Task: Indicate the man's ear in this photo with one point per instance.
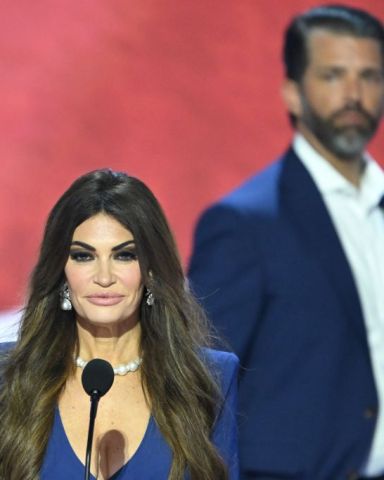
(290, 91)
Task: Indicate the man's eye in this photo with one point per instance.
(126, 256)
(80, 256)
(373, 76)
(331, 75)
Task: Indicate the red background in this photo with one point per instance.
(181, 93)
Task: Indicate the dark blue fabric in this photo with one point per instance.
(271, 272)
(152, 460)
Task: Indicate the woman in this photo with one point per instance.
(108, 284)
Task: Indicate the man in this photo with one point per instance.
(290, 266)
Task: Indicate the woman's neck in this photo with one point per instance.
(117, 345)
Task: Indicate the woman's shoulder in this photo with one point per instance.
(224, 362)
(224, 367)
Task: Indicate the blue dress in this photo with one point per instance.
(152, 460)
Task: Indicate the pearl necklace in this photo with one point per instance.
(121, 369)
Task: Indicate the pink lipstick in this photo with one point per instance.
(105, 299)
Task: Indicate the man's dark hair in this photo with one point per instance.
(337, 19)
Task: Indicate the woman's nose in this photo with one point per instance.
(104, 275)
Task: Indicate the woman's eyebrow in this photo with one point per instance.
(93, 249)
(122, 245)
(84, 245)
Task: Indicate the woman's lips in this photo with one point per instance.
(105, 300)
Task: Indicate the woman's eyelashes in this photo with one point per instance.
(126, 255)
(81, 255)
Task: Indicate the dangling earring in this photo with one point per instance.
(150, 299)
(65, 303)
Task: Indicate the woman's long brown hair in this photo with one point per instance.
(181, 388)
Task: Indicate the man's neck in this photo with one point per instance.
(351, 168)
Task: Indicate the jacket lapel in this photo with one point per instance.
(307, 211)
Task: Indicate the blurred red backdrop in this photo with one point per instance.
(183, 94)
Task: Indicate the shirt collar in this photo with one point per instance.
(329, 181)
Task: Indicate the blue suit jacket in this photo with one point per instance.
(272, 274)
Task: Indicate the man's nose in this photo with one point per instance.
(353, 90)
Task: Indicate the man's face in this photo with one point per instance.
(341, 95)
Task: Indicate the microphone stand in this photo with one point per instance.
(95, 397)
(97, 378)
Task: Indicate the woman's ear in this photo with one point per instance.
(290, 91)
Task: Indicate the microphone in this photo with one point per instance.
(97, 378)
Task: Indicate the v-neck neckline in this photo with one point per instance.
(128, 464)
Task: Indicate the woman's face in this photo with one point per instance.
(103, 273)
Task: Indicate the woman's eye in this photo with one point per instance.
(126, 256)
(81, 256)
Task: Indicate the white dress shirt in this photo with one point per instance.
(359, 223)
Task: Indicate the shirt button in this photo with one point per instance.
(369, 413)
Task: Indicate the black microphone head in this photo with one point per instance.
(98, 375)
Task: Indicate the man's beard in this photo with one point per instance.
(346, 142)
